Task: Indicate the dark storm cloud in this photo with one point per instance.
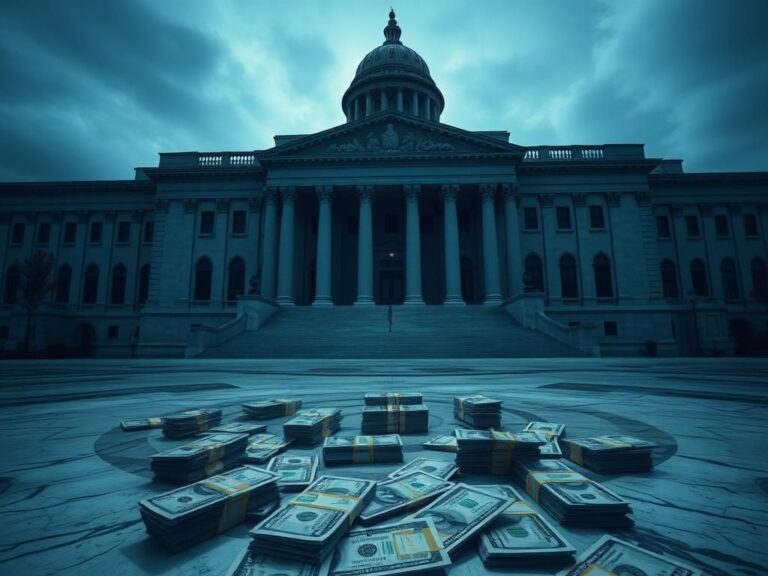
(306, 57)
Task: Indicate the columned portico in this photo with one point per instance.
(511, 219)
(323, 276)
(412, 246)
(270, 246)
(490, 248)
(452, 254)
(285, 272)
(365, 248)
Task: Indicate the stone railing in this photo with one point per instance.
(577, 152)
(207, 159)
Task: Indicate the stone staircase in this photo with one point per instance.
(417, 332)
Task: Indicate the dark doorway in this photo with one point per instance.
(391, 287)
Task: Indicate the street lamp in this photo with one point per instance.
(697, 347)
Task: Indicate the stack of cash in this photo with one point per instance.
(251, 563)
(188, 515)
(240, 428)
(262, 447)
(492, 452)
(402, 419)
(398, 495)
(362, 449)
(443, 443)
(392, 398)
(185, 424)
(478, 411)
(611, 454)
(571, 497)
(521, 536)
(296, 472)
(274, 408)
(553, 432)
(308, 527)
(141, 424)
(441, 468)
(206, 456)
(609, 555)
(311, 426)
(461, 513)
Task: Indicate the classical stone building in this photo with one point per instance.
(595, 245)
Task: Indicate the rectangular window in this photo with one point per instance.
(530, 218)
(96, 229)
(113, 332)
(426, 223)
(239, 221)
(692, 226)
(123, 232)
(70, 232)
(596, 217)
(750, 225)
(662, 227)
(206, 222)
(43, 232)
(721, 225)
(149, 231)
(390, 224)
(18, 233)
(610, 328)
(563, 214)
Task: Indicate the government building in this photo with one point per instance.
(595, 247)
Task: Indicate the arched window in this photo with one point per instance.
(759, 279)
(534, 274)
(117, 290)
(203, 277)
(91, 284)
(603, 281)
(730, 281)
(699, 278)
(568, 281)
(63, 282)
(669, 279)
(12, 281)
(236, 279)
(143, 292)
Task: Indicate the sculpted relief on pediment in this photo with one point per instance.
(390, 141)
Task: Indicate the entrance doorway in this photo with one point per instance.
(391, 287)
(467, 280)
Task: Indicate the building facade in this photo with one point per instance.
(591, 242)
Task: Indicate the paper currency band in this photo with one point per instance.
(410, 490)
(155, 421)
(535, 480)
(325, 427)
(461, 408)
(234, 511)
(575, 454)
(363, 445)
(214, 467)
(406, 553)
(609, 443)
(226, 484)
(347, 510)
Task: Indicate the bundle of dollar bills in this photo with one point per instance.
(274, 408)
(402, 419)
(461, 513)
(308, 527)
(311, 426)
(609, 555)
(610, 454)
(250, 563)
(296, 472)
(193, 513)
(404, 493)
(493, 452)
(478, 411)
(392, 398)
(409, 547)
(571, 497)
(546, 428)
(521, 536)
(262, 447)
(240, 428)
(206, 456)
(441, 468)
(362, 449)
(551, 449)
(443, 443)
(141, 424)
(191, 422)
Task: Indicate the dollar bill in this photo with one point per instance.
(440, 468)
(141, 424)
(400, 494)
(444, 443)
(262, 447)
(250, 563)
(551, 449)
(296, 472)
(547, 428)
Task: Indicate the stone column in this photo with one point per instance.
(400, 100)
(357, 109)
(490, 248)
(323, 260)
(365, 248)
(285, 273)
(412, 246)
(452, 254)
(512, 221)
(384, 103)
(368, 104)
(269, 257)
(415, 104)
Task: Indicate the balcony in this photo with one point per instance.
(578, 152)
(208, 160)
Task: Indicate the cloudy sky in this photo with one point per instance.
(90, 89)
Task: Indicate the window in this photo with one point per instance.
(63, 283)
(692, 226)
(669, 279)
(203, 277)
(603, 282)
(721, 225)
(596, 217)
(91, 284)
(96, 230)
(206, 222)
(390, 224)
(70, 232)
(149, 231)
(563, 215)
(18, 232)
(236, 279)
(750, 225)
(568, 281)
(12, 282)
(113, 332)
(730, 282)
(759, 279)
(699, 278)
(662, 227)
(239, 222)
(123, 232)
(610, 328)
(143, 292)
(533, 278)
(426, 223)
(530, 218)
(117, 289)
(44, 232)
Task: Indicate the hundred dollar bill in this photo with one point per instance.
(397, 495)
(250, 563)
(444, 443)
(461, 513)
(296, 472)
(141, 424)
(441, 468)
(546, 428)
(609, 556)
(551, 449)
(409, 547)
(262, 447)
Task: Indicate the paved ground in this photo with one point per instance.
(70, 479)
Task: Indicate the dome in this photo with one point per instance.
(392, 58)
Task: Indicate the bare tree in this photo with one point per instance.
(36, 283)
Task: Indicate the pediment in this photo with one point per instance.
(392, 135)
